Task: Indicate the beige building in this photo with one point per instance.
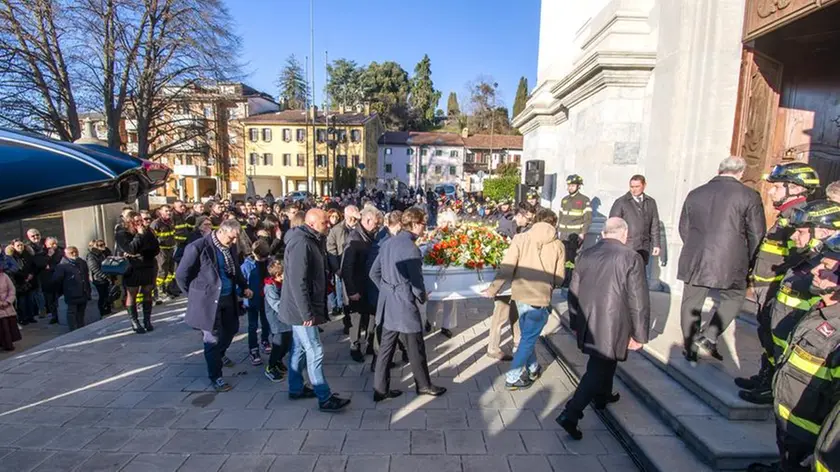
(294, 150)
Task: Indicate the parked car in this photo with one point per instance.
(297, 196)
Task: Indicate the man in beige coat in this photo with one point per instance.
(534, 265)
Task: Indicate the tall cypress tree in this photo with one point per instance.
(521, 96)
(424, 98)
(452, 108)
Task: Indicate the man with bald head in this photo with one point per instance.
(609, 310)
(304, 307)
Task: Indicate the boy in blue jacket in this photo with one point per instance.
(282, 333)
(255, 270)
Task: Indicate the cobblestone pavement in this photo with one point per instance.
(102, 398)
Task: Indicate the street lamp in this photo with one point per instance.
(332, 143)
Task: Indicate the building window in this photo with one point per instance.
(301, 160)
(470, 157)
(438, 169)
(452, 170)
(321, 135)
(408, 168)
(342, 160)
(132, 136)
(387, 168)
(355, 136)
(387, 151)
(252, 159)
(287, 159)
(253, 134)
(409, 151)
(266, 134)
(438, 152)
(453, 153)
(321, 160)
(287, 134)
(424, 169)
(355, 160)
(342, 135)
(301, 135)
(516, 158)
(424, 152)
(268, 159)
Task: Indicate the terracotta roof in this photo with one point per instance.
(498, 141)
(418, 138)
(299, 117)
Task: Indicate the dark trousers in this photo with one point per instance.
(377, 339)
(362, 329)
(416, 347)
(27, 307)
(227, 324)
(793, 451)
(596, 384)
(103, 290)
(76, 315)
(692, 306)
(764, 317)
(278, 351)
(51, 303)
(572, 244)
(256, 315)
(645, 255)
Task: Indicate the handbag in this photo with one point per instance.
(113, 265)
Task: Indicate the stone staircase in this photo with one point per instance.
(675, 415)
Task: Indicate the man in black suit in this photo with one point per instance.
(642, 216)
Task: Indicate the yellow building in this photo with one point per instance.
(285, 150)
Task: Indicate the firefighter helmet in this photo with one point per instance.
(816, 214)
(797, 173)
(574, 179)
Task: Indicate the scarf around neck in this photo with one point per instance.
(229, 267)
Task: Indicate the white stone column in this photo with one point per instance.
(196, 195)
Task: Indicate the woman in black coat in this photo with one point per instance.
(139, 245)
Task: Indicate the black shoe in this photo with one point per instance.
(433, 390)
(369, 350)
(764, 377)
(761, 395)
(55, 320)
(357, 355)
(373, 364)
(428, 327)
(405, 357)
(334, 403)
(690, 356)
(570, 425)
(708, 348)
(147, 323)
(446, 333)
(307, 392)
(227, 362)
(346, 330)
(523, 383)
(601, 403)
(747, 383)
(320, 329)
(25, 322)
(378, 397)
(135, 325)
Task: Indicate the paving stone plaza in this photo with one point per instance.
(105, 399)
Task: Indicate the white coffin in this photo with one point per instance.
(456, 283)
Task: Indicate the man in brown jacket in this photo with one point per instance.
(534, 265)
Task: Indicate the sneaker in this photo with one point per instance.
(226, 362)
(522, 383)
(266, 347)
(334, 403)
(307, 392)
(255, 357)
(275, 374)
(533, 376)
(221, 385)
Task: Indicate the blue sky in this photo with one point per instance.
(463, 38)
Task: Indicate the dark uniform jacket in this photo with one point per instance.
(806, 385)
(721, 226)
(642, 221)
(184, 224)
(305, 286)
(354, 270)
(792, 301)
(777, 252)
(575, 216)
(827, 453)
(398, 272)
(609, 300)
(165, 232)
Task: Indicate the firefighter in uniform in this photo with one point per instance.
(814, 223)
(533, 199)
(791, 185)
(827, 452)
(184, 221)
(164, 228)
(574, 220)
(806, 386)
(217, 215)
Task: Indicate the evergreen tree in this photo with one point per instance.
(452, 108)
(424, 98)
(294, 91)
(521, 96)
(386, 86)
(344, 86)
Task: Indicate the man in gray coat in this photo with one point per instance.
(398, 273)
(609, 306)
(721, 225)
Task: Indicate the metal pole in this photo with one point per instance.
(312, 54)
(306, 126)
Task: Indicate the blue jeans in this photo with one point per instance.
(256, 318)
(531, 322)
(306, 342)
(335, 300)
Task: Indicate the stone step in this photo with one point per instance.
(656, 412)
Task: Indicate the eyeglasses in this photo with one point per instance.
(147, 219)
